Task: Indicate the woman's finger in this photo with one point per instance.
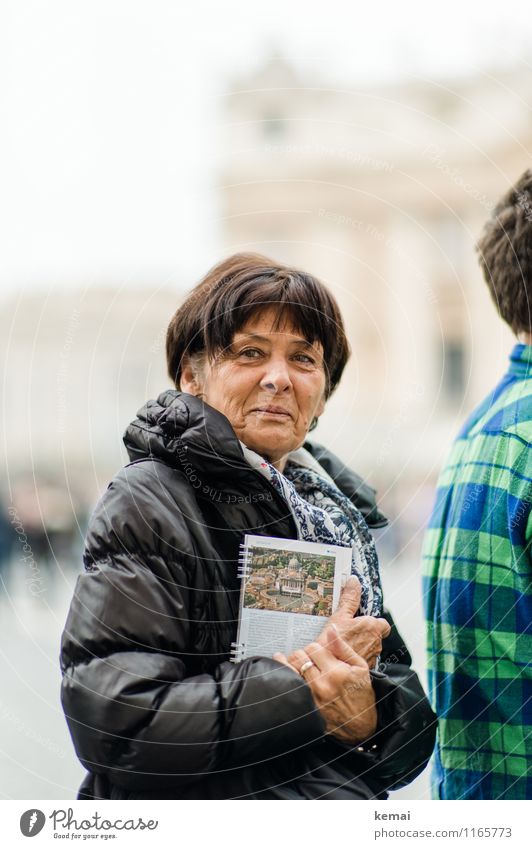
(298, 658)
(385, 628)
(349, 598)
(303, 665)
(322, 657)
(341, 649)
(311, 673)
(281, 658)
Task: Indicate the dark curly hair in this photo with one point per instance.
(505, 255)
(238, 288)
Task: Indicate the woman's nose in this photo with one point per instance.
(276, 378)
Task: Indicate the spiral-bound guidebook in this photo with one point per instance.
(289, 588)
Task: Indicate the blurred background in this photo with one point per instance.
(139, 144)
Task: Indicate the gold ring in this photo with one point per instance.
(306, 666)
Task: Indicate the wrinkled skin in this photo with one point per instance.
(263, 369)
(339, 676)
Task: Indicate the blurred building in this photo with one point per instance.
(382, 192)
(78, 365)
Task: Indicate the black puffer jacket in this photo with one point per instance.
(154, 708)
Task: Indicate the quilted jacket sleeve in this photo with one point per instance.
(406, 728)
(133, 713)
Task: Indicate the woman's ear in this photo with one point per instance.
(188, 382)
(321, 407)
(319, 410)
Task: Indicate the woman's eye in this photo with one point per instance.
(256, 353)
(250, 353)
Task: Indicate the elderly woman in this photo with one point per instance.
(154, 705)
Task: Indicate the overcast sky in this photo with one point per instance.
(110, 109)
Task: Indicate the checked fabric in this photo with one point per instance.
(478, 599)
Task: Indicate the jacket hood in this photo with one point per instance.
(179, 428)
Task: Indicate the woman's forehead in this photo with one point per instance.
(268, 323)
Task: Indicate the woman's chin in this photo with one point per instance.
(270, 439)
(270, 448)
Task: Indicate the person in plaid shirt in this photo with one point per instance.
(477, 552)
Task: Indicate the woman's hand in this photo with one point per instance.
(341, 686)
(365, 633)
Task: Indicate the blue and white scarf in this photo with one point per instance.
(322, 513)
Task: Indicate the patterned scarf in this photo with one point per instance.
(322, 513)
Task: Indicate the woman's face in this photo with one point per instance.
(270, 385)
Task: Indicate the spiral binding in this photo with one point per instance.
(237, 652)
(243, 571)
(244, 561)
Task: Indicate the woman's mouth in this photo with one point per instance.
(272, 412)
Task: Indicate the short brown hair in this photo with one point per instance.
(505, 255)
(239, 287)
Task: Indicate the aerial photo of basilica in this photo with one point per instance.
(294, 582)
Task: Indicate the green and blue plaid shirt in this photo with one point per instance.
(478, 598)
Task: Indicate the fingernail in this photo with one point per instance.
(352, 582)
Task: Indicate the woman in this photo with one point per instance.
(154, 706)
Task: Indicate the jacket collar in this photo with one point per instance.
(521, 361)
(184, 431)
